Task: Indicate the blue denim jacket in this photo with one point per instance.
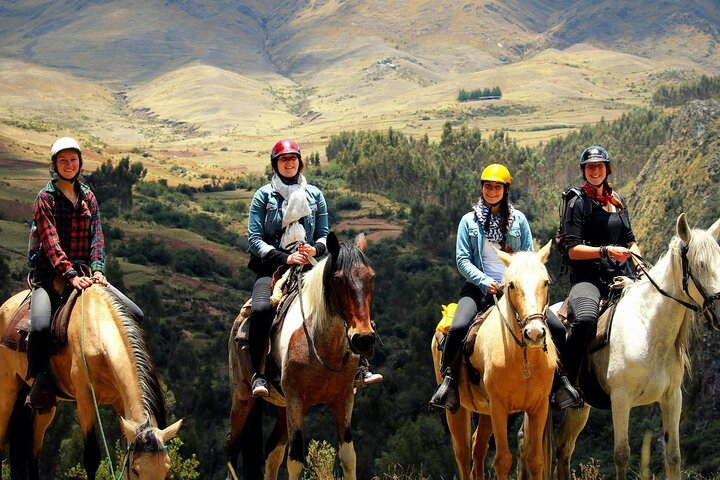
(470, 241)
(265, 221)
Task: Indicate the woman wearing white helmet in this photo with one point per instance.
(65, 235)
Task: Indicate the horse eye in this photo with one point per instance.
(511, 285)
(135, 471)
(547, 282)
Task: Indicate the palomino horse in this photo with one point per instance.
(515, 361)
(105, 356)
(327, 325)
(648, 350)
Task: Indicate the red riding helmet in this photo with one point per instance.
(285, 146)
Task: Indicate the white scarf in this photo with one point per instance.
(294, 207)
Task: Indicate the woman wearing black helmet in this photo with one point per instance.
(287, 225)
(600, 241)
(65, 239)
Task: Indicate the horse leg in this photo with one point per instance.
(244, 435)
(40, 425)
(536, 421)
(86, 416)
(621, 418)
(480, 440)
(570, 428)
(503, 457)
(276, 446)
(343, 417)
(17, 426)
(295, 424)
(459, 426)
(670, 406)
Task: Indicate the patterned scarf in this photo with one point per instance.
(605, 198)
(492, 228)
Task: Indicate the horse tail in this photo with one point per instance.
(20, 435)
(251, 440)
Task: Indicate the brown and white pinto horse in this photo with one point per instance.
(515, 359)
(102, 333)
(327, 325)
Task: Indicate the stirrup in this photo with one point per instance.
(259, 387)
(446, 395)
(566, 396)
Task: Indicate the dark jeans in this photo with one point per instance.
(260, 319)
(584, 305)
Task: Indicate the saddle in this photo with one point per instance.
(17, 330)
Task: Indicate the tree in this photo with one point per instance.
(112, 185)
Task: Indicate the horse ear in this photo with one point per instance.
(128, 428)
(504, 256)
(714, 230)
(361, 242)
(683, 229)
(333, 244)
(170, 431)
(544, 252)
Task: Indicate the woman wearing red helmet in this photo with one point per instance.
(66, 241)
(493, 221)
(287, 225)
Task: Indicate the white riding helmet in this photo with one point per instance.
(64, 143)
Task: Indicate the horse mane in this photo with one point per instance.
(151, 391)
(317, 283)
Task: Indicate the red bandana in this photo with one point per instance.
(605, 198)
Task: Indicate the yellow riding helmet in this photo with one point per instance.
(496, 173)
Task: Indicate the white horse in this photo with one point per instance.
(647, 355)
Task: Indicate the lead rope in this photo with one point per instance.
(92, 390)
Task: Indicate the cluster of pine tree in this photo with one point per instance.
(479, 94)
(671, 96)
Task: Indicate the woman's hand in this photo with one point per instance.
(618, 253)
(297, 258)
(80, 283)
(308, 250)
(493, 288)
(98, 277)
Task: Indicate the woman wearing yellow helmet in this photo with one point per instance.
(493, 222)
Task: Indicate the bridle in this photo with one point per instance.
(707, 307)
(521, 322)
(130, 456)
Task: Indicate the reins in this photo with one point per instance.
(708, 300)
(311, 342)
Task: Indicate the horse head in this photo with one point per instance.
(148, 457)
(348, 277)
(700, 254)
(526, 283)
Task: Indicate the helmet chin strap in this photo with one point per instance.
(71, 180)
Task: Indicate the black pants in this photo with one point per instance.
(584, 305)
(260, 319)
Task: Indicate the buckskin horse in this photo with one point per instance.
(511, 368)
(316, 351)
(105, 356)
(649, 346)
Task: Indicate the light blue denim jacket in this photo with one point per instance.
(265, 220)
(470, 241)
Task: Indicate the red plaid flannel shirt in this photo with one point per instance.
(62, 233)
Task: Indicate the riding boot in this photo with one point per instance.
(42, 395)
(446, 395)
(565, 394)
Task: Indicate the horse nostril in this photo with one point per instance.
(363, 342)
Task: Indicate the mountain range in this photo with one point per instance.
(241, 73)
